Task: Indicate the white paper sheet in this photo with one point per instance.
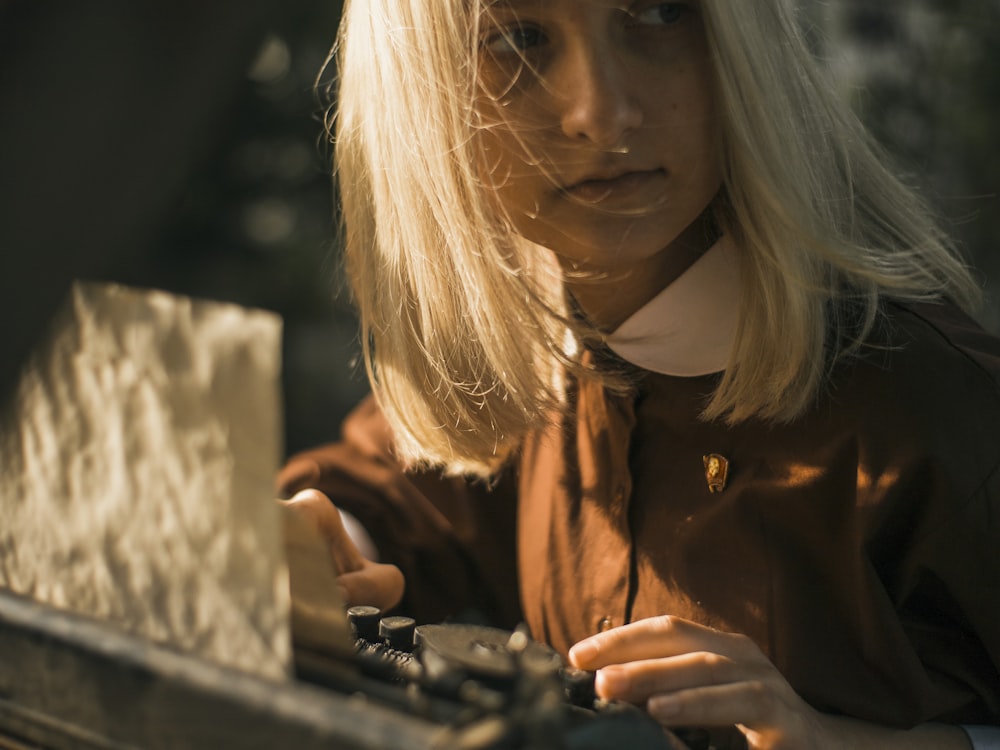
(136, 470)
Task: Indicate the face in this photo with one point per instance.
(597, 127)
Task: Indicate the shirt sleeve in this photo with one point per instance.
(983, 738)
(953, 607)
(453, 539)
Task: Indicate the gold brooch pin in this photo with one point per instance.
(716, 471)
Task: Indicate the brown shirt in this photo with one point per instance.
(858, 546)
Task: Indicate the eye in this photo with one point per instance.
(513, 39)
(661, 14)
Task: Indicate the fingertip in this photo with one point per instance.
(583, 654)
(307, 496)
(612, 682)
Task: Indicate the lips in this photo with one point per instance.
(621, 186)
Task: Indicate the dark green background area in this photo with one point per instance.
(179, 145)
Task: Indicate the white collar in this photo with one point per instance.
(687, 329)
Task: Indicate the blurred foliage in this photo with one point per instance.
(257, 225)
(931, 93)
(257, 222)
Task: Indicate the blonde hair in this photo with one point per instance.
(464, 325)
(825, 228)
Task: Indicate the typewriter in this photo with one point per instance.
(519, 690)
(484, 687)
(69, 683)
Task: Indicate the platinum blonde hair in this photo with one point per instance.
(464, 324)
(826, 230)
(461, 320)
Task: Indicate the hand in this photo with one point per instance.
(360, 580)
(691, 675)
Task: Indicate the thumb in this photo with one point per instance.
(324, 517)
(377, 584)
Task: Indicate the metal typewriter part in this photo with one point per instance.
(490, 672)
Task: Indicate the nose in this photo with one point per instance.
(597, 101)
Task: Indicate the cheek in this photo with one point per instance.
(499, 165)
(507, 163)
(513, 134)
(691, 135)
(494, 158)
(516, 186)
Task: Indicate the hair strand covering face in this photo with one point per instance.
(463, 323)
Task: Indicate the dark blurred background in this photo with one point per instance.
(179, 145)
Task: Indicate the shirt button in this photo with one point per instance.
(605, 624)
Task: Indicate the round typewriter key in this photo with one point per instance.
(365, 622)
(397, 632)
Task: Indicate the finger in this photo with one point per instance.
(635, 682)
(752, 703)
(658, 637)
(318, 509)
(376, 584)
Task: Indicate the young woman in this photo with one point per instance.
(633, 266)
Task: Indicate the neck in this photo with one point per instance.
(609, 296)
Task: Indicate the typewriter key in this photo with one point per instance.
(365, 622)
(397, 632)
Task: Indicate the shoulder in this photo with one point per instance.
(924, 392)
(956, 341)
(924, 357)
